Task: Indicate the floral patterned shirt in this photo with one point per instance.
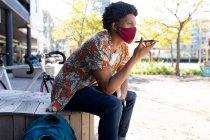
(75, 74)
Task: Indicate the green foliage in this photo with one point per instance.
(158, 29)
(189, 72)
(152, 68)
(80, 26)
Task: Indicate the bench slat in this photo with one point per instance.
(85, 126)
(77, 124)
(9, 106)
(1, 102)
(19, 127)
(42, 108)
(28, 120)
(9, 94)
(27, 107)
(91, 129)
(27, 97)
(20, 97)
(6, 123)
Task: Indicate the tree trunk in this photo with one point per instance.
(81, 38)
(178, 52)
(150, 56)
(172, 57)
(199, 54)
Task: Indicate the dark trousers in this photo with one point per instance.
(114, 118)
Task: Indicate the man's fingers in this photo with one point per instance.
(144, 45)
(150, 44)
(141, 43)
(142, 40)
(153, 43)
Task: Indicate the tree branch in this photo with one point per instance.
(168, 26)
(175, 14)
(177, 7)
(190, 14)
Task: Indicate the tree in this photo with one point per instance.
(167, 39)
(182, 10)
(80, 26)
(150, 30)
(155, 29)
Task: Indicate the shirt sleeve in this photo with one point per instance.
(97, 56)
(124, 57)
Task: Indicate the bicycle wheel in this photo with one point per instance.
(2, 85)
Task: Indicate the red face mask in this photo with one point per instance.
(127, 34)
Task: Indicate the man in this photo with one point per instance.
(104, 60)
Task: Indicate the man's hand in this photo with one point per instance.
(122, 92)
(118, 93)
(142, 49)
(121, 95)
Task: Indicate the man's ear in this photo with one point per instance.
(114, 26)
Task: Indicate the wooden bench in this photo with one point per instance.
(19, 108)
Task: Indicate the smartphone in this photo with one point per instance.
(148, 41)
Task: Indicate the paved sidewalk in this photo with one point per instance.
(170, 108)
(167, 107)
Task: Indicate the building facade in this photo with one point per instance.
(15, 29)
(200, 38)
(24, 29)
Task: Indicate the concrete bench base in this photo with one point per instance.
(19, 108)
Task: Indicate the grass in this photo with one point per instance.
(155, 68)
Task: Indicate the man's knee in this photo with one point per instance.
(131, 96)
(113, 103)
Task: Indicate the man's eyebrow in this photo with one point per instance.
(131, 22)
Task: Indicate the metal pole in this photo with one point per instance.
(28, 38)
(9, 37)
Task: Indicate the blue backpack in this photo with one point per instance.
(50, 127)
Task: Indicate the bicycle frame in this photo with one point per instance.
(36, 76)
(3, 72)
(41, 69)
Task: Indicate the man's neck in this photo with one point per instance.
(115, 40)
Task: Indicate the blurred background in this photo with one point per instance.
(181, 26)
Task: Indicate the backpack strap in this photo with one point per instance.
(52, 117)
